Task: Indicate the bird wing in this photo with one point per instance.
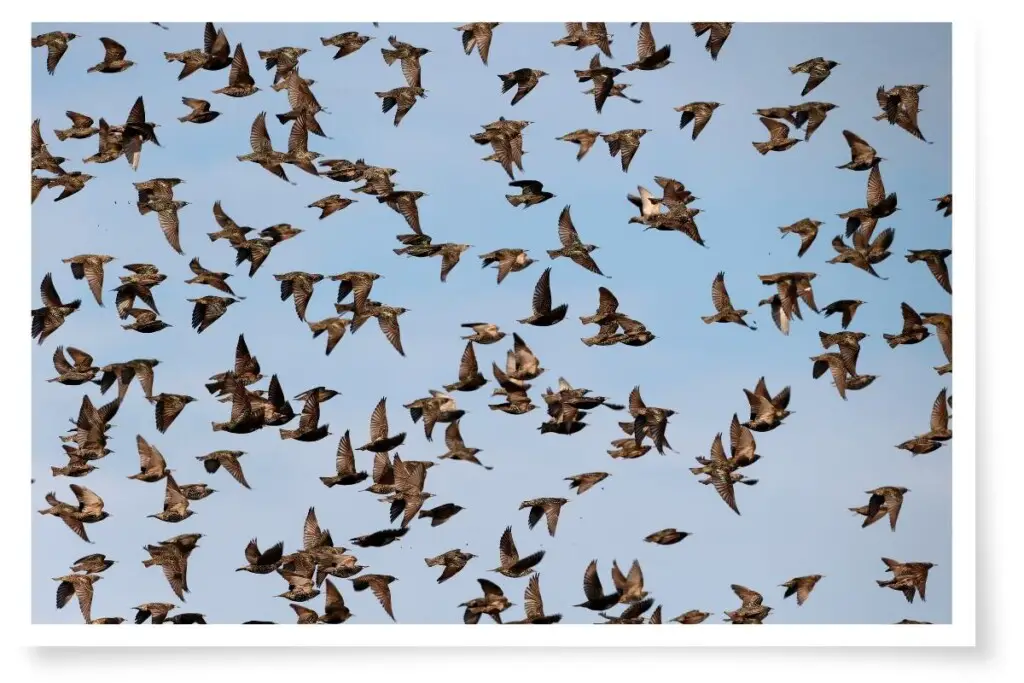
(239, 74)
(592, 582)
(88, 501)
(939, 269)
(453, 437)
(383, 472)
(724, 485)
(383, 594)
(83, 591)
(173, 497)
(389, 326)
(533, 604)
(618, 579)
(379, 421)
(49, 293)
(876, 188)
(542, 293)
(310, 413)
(60, 363)
(345, 459)
(719, 294)
(311, 533)
(776, 129)
(636, 403)
(234, 468)
(507, 553)
(411, 71)
(940, 412)
(259, 138)
(911, 319)
(468, 365)
(114, 51)
(858, 146)
(749, 597)
(645, 45)
(170, 225)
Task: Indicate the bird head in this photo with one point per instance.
(70, 36)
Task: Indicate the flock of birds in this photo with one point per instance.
(309, 570)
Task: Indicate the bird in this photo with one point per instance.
(401, 99)
(347, 43)
(801, 586)
(879, 205)
(511, 564)
(309, 429)
(900, 106)
(524, 80)
(766, 411)
(226, 459)
(718, 33)
(457, 449)
(888, 497)
(79, 586)
(817, 70)
(936, 262)
(907, 578)
(89, 510)
(209, 309)
(847, 307)
(331, 204)
(440, 514)
(862, 155)
(778, 140)
(507, 261)
(913, 332)
(724, 311)
(113, 58)
(284, 60)
(380, 440)
(168, 407)
(380, 586)
(806, 229)
(572, 246)
(263, 152)
(625, 143)
(56, 43)
(669, 536)
(649, 56)
(453, 561)
(409, 56)
(81, 128)
(580, 37)
(152, 466)
(596, 599)
(548, 508)
(51, 316)
(176, 504)
(493, 603)
(533, 605)
(603, 78)
(543, 313)
(943, 203)
(751, 611)
(699, 113)
(583, 137)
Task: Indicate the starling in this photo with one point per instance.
(849, 346)
(603, 78)
(767, 412)
(81, 127)
(262, 150)
(885, 499)
(817, 70)
(549, 508)
(864, 253)
(168, 407)
(511, 565)
(478, 35)
(152, 466)
(93, 564)
(595, 33)
(649, 56)
(691, 617)
(347, 43)
(200, 111)
(920, 445)
(262, 562)
(533, 605)
(457, 449)
(944, 331)
(936, 261)
(404, 203)
(913, 331)
(79, 586)
(584, 138)
(283, 59)
(440, 514)
(196, 491)
(88, 511)
(507, 260)
(208, 277)
(900, 107)
(309, 428)
(939, 430)
(779, 140)
(751, 611)
(484, 333)
(724, 311)
(862, 155)
(668, 536)
(56, 43)
(807, 229)
(345, 465)
(719, 33)
(208, 310)
(594, 592)
(72, 183)
(157, 610)
(304, 105)
(572, 246)
(380, 441)
(524, 80)
(409, 55)
(802, 586)
(453, 560)
(136, 132)
(907, 577)
(531, 193)
(944, 202)
(618, 90)
(331, 204)
(176, 506)
(335, 328)
(493, 603)
(298, 286)
(698, 112)
(46, 320)
(240, 81)
(631, 587)
(813, 114)
(543, 314)
(649, 421)
(848, 307)
(113, 58)
(470, 377)
(838, 366)
(380, 585)
(879, 205)
(625, 143)
(226, 459)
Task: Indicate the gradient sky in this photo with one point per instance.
(819, 463)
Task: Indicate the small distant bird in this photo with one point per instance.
(649, 421)
(152, 466)
(603, 78)
(943, 323)
(113, 58)
(457, 449)
(168, 407)
(262, 562)
(862, 155)
(157, 610)
(404, 202)
(90, 267)
(617, 90)
(584, 138)
(533, 605)
(284, 60)
(208, 277)
(531, 193)
(767, 412)
(719, 33)
(470, 377)
(838, 366)
(649, 56)
(548, 508)
(262, 151)
(380, 441)
(380, 585)
(511, 565)
(409, 55)
(596, 600)
(595, 33)
(493, 603)
(543, 314)
(79, 586)
(226, 459)
(724, 311)
(309, 428)
(88, 511)
(440, 514)
(802, 586)
(817, 70)
(524, 80)
(692, 617)
(779, 140)
(136, 132)
(668, 536)
(299, 287)
(478, 35)
(46, 320)
(907, 577)
(625, 143)
(93, 564)
(936, 261)
(72, 183)
(347, 43)
(81, 127)
(884, 499)
(807, 229)
(176, 504)
(900, 107)
(848, 307)
(208, 310)
(345, 465)
(944, 202)
(698, 112)
(752, 611)
(240, 81)
(572, 246)
(379, 539)
(331, 204)
(453, 560)
(335, 327)
(404, 98)
(56, 43)
(200, 113)
(484, 333)
(864, 254)
(913, 331)
(80, 372)
(507, 261)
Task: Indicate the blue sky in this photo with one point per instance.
(794, 522)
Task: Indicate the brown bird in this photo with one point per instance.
(549, 508)
(943, 323)
(93, 564)
(668, 536)
(470, 377)
(944, 202)
(283, 59)
(649, 56)
(907, 577)
(331, 204)
(862, 155)
(594, 592)
(936, 261)
(208, 277)
(72, 183)
(573, 247)
(595, 33)
(478, 35)
(531, 193)
(137, 131)
(603, 78)
(848, 307)
(230, 230)
(839, 367)
(802, 586)
(493, 603)
(864, 253)
(457, 449)
(807, 229)
(879, 205)
(152, 466)
(226, 459)
(649, 421)
(403, 98)
(176, 505)
(543, 314)
(440, 514)
(88, 511)
(719, 33)
(157, 610)
(583, 137)
(90, 267)
(817, 70)
(168, 407)
(357, 283)
(525, 80)
(767, 412)
(303, 103)
(46, 320)
(888, 497)
(56, 43)
(113, 58)
(779, 140)
(262, 562)
(309, 428)
(345, 466)
(79, 586)
(900, 107)
(380, 441)
(484, 333)
(625, 143)
(335, 328)
(692, 617)
(618, 90)
(454, 561)
(208, 310)
(724, 311)
(380, 585)
(240, 81)
(511, 565)
(298, 286)
(507, 261)
(404, 203)
(200, 111)
(751, 611)
(913, 331)
(409, 55)
(347, 43)
(533, 605)
(698, 112)
(262, 151)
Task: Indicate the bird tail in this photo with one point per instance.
(173, 56)
(882, 584)
(514, 199)
(217, 427)
(325, 42)
(793, 69)
(697, 470)
(389, 56)
(554, 253)
(148, 563)
(762, 147)
(55, 471)
(416, 414)
(583, 76)
(891, 340)
(451, 387)
(288, 433)
(61, 135)
(432, 561)
(708, 319)
(587, 340)
(285, 118)
(785, 230)
(328, 481)
(316, 328)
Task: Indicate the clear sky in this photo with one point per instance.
(818, 464)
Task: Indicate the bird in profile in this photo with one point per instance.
(470, 377)
(548, 508)
(806, 229)
(801, 586)
(493, 603)
(380, 586)
(92, 564)
(817, 70)
(699, 113)
(900, 106)
(240, 81)
(751, 611)
(90, 268)
(718, 33)
(226, 459)
(596, 599)
(56, 43)
(208, 310)
(401, 99)
(298, 286)
(584, 138)
(284, 60)
(778, 137)
(533, 605)
(478, 35)
(168, 407)
(440, 514)
(863, 156)
(724, 311)
(484, 333)
(409, 56)
(580, 36)
(310, 428)
(81, 128)
(331, 204)
(935, 259)
(380, 441)
(457, 449)
(511, 564)
(572, 246)
(176, 504)
(347, 43)
(669, 536)
(625, 143)
(543, 313)
(531, 193)
(847, 307)
(507, 261)
(885, 500)
(113, 58)
(864, 254)
(152, 466)
(89, 510)
(943, 203)
(155, 611)
(649, 56)
(913, 332)
(649, 421)
(603, 78)
(524, 80)
(48, 319)
(453, 561)
(265, 562)
(79, 586)
(767, 412)
(630, 587)
(262, 151)
(907, 578)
